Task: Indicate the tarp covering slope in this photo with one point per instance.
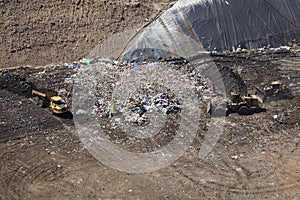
(219, 25)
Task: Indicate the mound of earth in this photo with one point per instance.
(43, 32)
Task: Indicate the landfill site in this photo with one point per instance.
(166, 99)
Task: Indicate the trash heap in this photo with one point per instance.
(137, 107)
(148, 99)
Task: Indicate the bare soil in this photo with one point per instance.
(256, 157)
(41, 156)
(43, 32)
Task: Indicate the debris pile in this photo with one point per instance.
(137, 107)
(15, 83)
(149, 98)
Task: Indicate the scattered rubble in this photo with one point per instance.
(151, 97)
(248, 155)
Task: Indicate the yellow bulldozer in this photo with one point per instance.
(243, 105)
(50, 98)
(274, 88)
(274, 91)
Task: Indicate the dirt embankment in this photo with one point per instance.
(43, 32)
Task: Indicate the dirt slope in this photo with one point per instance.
(43, 32)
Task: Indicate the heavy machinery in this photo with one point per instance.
(243, 105)
(50, 98)
(275, 90)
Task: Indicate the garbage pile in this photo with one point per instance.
(136, 109)
(281, 118)
(149, 98)
(139, 108)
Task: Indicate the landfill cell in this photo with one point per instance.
(256, 157)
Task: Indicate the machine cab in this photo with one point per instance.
(235, 97)
(58, 105)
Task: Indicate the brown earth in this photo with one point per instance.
(43, 32)
(41, 156)
(256, 157)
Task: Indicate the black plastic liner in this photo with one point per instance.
(219, 25)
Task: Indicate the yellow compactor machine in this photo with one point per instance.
(50, 98)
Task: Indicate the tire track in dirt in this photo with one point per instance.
(289, 172)
(290, 70)
(6, 181)
(16, 177)
(47, 173)
(24, 177)
(14, 180)
(241, 182)
(3, 169)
